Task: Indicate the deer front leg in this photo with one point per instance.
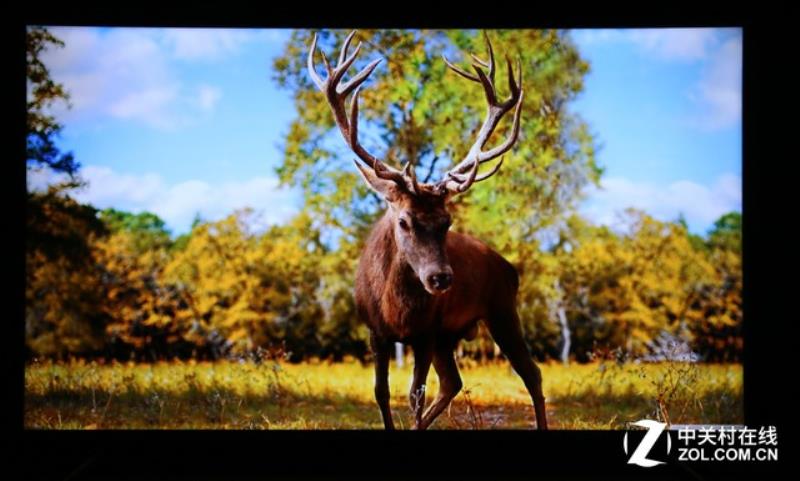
(382, 352)
(449, 382)
(423, 355)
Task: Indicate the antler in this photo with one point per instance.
(336, 94)
(464, 174)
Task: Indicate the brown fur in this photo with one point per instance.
(397, 306)
(418, 283)
(392, 301)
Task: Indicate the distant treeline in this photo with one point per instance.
(114, 284)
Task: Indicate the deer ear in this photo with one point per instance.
(386, 188)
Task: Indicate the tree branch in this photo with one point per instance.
(431, 169)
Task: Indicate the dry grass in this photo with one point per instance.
(270, 395)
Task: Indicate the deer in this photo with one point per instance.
(417, 282)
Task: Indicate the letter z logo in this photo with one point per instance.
(639, 456)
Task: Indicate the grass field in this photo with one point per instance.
(272, 395)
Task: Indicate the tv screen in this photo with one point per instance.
(389, 229)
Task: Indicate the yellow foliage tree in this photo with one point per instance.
(626, 291)
(63, 287)
(247, 290)
(141, 308)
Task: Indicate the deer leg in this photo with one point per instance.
(423, 355)
(507, 333)
(450, 383)
(382, 351)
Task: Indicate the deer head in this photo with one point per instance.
(418, 211)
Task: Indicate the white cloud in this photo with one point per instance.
(149, 105)
(719, 90)
(178, 203)
(106, 73)
(204, 43)
(130, 73)
(591, 36)
(684, 44)
(110, 188)
(207, 97)
(276, 35)
(701, 205)
(674, 43)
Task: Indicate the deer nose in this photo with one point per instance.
(441, 280)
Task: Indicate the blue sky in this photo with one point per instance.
(665, 106)
(180, 122)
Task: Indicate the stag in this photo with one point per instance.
(418, 282)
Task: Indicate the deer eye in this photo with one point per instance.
(403, 224)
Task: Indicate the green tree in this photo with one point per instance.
(148, 229)
(727, 233)
(698, 242)
(719, 336)
(63, 280)
(414, 109)
(43, 93)
(140, 306)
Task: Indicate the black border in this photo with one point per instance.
(451, 454)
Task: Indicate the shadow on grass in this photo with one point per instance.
(616, 411)
(225, 408)
(202, 408)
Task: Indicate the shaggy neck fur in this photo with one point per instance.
(404, 302)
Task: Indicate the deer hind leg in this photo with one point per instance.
(423, 355)
(507, 333)
(450, 383)
(382, 352)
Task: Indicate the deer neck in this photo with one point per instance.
(405, 304)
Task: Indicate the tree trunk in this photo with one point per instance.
(398, 354)
(565, 334)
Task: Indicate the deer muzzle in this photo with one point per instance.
(438, 281)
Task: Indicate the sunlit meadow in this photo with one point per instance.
(278, 395)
